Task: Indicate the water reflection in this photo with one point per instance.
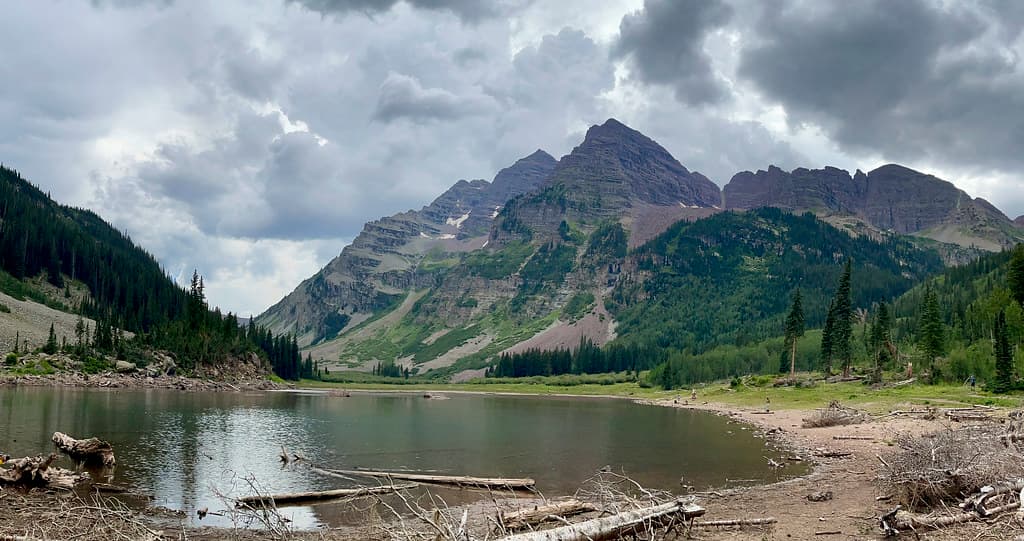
(185, 448)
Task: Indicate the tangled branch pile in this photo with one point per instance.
(835, 414)
(92, 518)
(949, 465)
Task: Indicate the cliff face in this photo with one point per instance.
(890, 198)
(616, 173)
(383, 263)
(1019, 221)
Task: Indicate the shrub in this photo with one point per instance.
(95, 365)
(11, 359)
(4, 308)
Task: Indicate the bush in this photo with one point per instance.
(4, 308)
(95, 365)
(11, 359)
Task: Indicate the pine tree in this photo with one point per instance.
(827, 350)
(51, 342)
(1003, 354)
(794, 330)
(1015, 274)
(931, 334)
(842, 332)
(881, 340)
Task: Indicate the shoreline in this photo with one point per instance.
(850, 513)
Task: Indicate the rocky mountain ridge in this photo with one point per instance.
(530, 257)
(890, 198)
(383, 263)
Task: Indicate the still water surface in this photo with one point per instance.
(183, 447)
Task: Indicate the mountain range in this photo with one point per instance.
(553, 251)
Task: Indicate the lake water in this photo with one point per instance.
(185, 447)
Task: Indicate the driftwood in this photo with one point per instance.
(826, 453)
(741, 522)
(92, 450)
(517, 520)
(304, 497)
(459, 480)
(32, 472)
(864, 438)
(615, 526)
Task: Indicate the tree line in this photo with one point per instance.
(127, 289)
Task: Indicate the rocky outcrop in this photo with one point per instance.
(1019, 221)
(383, 262)
(616, 173)
(890, 198)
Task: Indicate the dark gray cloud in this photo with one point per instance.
(664, 42)
(909, 80)
(469, 10)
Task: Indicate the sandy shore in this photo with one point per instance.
(853, 510)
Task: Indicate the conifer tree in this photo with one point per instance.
(827, 350)
(881, 340)
(842, 332)
(931, 334)
(1003, 354)
(51, 342)
(794, 330)
(1015, 274)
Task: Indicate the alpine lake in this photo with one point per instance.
(194, 450)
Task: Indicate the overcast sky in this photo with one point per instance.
(251, 140)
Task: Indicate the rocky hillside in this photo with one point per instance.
(1019, 221)
(397, 254)
(890, 198)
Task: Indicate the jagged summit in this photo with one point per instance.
(619, 162)
(891, 197)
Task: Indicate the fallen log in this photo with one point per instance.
(741, 522)
(864, 438)
(457, 480)
(908, 521)
(616, 526)
(34, 472)
(832, 454)
(92, 450)
(295, 498)
(522, 518)
(977, 502)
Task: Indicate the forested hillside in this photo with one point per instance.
(74, 250)
(728, 279)
(946, 328)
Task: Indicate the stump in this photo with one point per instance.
(90, 451)
(35, 472)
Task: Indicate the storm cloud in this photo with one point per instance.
(251, 140)
(665, 43)
(910, 80)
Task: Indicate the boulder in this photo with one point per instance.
(125, 367)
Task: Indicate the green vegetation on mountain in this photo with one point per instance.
(46, 247)
(727, 279)
(962, 322)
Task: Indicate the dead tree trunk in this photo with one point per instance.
(458, 480)
(741, 522)
(630, 522)
(92, 450)
(32, 472)
(516, 520)
(303, 497)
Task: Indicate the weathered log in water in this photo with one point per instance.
(457, 480)
(516, 520)
(35, 472)
(615, 526)
(92, 450)
(296, 498)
